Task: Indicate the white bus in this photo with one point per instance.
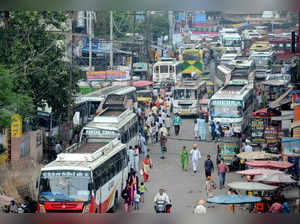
(232, 104)
(89, 179)
(166, 70)
(187, 95)
(113, 122)
(233, 42)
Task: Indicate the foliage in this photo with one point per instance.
(31, 48)
(11, 102)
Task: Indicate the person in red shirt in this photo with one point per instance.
(222, 169)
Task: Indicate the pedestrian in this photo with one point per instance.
(228, 132)
(168, 124)
(58, 149)
(156, 131)
(130, 154)
(142, 192)
(163, 145)
(184, 158)
(276, 207)
(137, 198)
(196, 155)
(213, 129)
(231, 207)
(202, 129)
(133, 182)
(209, 167)
(153, 133)
(219, 130)
(222, 169)
(196, 129)
(146, 133)
(143, 145)
(136, 158)
(210, 185)
(147, 165)
(259, 99)
(177, 123)
(248, 147)
(200, 208)
(235, 163)
(125, 195)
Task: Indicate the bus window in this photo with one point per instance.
(164, 69)
(156, 69)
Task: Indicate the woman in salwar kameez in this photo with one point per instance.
(147, 165)
(184, 158)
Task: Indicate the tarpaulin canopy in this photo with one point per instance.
(269, 164)
(257, 155)
(266, 112)
(274, 178)
(142, 83)
(251, 186)
(258, 171)
(233, 199)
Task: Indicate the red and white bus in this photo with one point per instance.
(83, 180)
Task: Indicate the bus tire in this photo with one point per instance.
(116, 203)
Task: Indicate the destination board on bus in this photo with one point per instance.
(257, 130)
(226, 102)
(101, 132)
(291, 147)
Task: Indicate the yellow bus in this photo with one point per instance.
(192, 61)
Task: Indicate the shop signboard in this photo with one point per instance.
(296, 132)
(257, 130)
(291, 147)
(271, 135)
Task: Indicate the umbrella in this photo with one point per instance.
(270, 164)
(258, 171)
(257, 155)
(251, 186)
(142, 83)
(275, 178)
(233, 199)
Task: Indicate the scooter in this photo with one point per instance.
(162, 207)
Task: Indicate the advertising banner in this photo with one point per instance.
(257, 130)
(291, 147)
(271, 135)
(107, 75)
(16, 126)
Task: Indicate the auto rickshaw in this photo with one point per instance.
(209, 88)
(144, 97)
(227, 148)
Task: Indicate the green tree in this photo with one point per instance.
(11, 102)
(32, 48)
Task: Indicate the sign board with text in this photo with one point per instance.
(271, 135)
(257, 130)
(291, 147)
(16, 126)
(107, 75)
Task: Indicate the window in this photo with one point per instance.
(164, 69)
(156, 69)
(125, 137)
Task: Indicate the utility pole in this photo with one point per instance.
(111, 53)
(89, 28)
(70, 80)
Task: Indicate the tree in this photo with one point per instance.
(160, 25)
(32, 48)
(11, 102)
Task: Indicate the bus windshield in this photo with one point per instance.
(183, 94)
(191, 56)
(226, 109)
(65, 186)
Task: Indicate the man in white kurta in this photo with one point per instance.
(130, 154)
(196, 155)
(136, 158)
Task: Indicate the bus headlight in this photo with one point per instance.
(86, 209)
(42, 209)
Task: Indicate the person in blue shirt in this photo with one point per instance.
(213, 128)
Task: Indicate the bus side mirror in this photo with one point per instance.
(90, 186)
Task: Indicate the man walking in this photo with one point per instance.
(213, 128)
(196, 155)
(143, 145)
(130, 154)
(209, 167)
(177, 123)
(136, 158)
(222, 169)
(163, 145)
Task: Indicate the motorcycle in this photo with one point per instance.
(162, 207)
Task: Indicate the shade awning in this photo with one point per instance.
(281, 100)
(288, 116)
(233, 199)
(251, 186)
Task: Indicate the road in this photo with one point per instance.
(184, 188)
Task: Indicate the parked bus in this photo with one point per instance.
(187, 96)
(88, 179)
(262, 60)
(167, 70)
(113, 121)
(233, 42)
(232, 104)
(192, 61)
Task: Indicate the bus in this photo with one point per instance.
(114, 121)
(167, 70)
(127, 94)
(233, 42)
(86, 180)
(232, 104)
(192, 61)
(262, 60)
(187, 95)
(260, 46)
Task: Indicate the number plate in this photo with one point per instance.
(185, 112)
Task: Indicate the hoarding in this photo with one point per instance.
(16, 126)
(271, 135)
(107, 75)
(257, 130)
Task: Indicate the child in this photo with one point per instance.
(210, 186)
(137, 197)
(142, 191)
